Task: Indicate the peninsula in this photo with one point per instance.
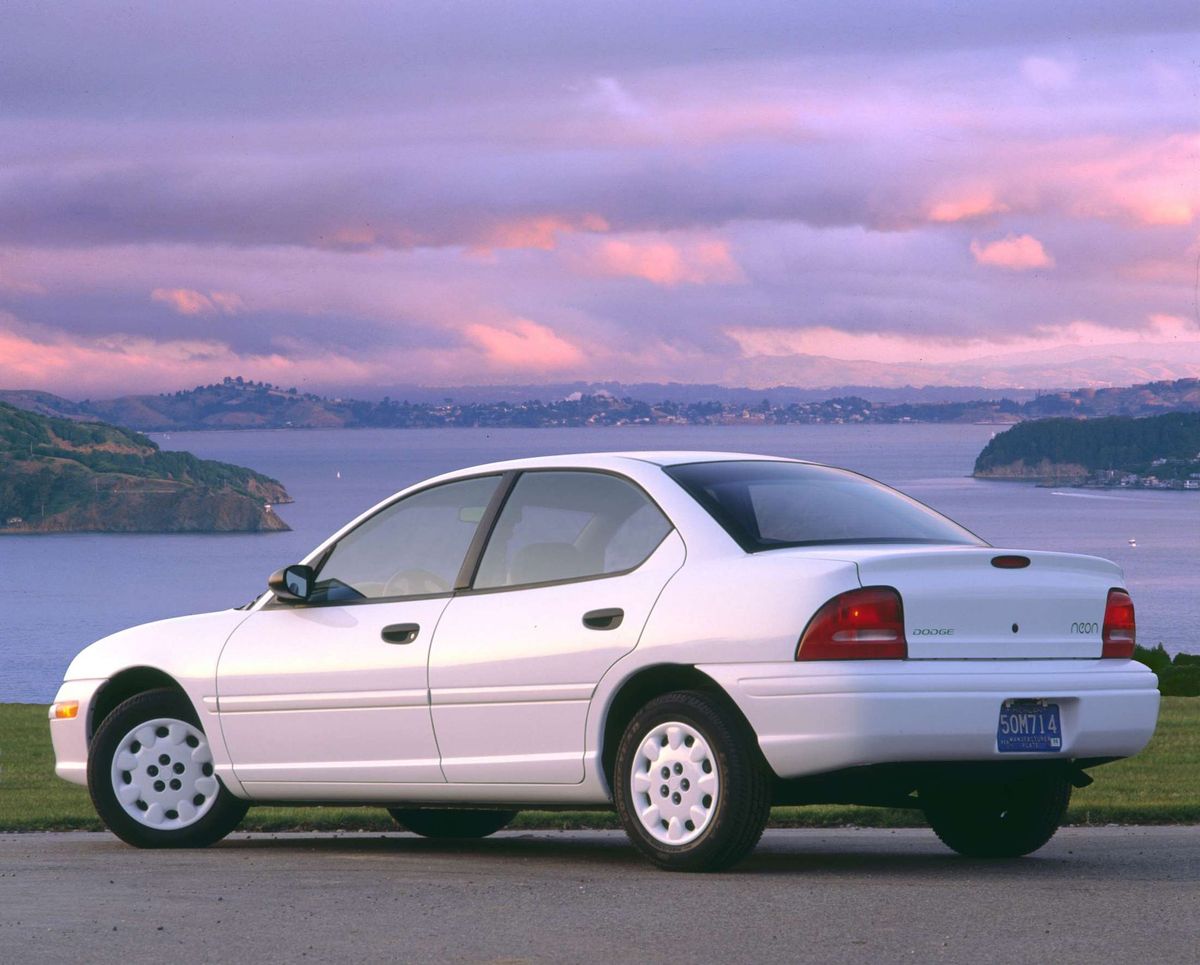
(63, 475)
(1157, 452)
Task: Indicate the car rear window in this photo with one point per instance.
(764, 505)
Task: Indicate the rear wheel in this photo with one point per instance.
(448, 823)
(150, 774)
(997, 820)
(691, 790)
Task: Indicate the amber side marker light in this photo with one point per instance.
(64, 710)
(1010, 562)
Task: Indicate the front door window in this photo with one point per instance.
(414, 547)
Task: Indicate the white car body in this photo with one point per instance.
(505, 698)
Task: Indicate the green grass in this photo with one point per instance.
(1159, 786)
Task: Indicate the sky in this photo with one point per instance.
(346, 197)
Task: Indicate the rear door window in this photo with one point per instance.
(569, 525)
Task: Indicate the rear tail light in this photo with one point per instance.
(866, 624)
(1120, 628)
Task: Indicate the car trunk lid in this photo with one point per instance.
(961, 603)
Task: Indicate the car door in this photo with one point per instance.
(564, 586)
(335, 690)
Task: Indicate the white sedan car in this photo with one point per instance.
(689, 637)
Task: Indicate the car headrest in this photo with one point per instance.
(542, 562)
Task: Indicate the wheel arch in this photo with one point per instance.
(654, 681)
(128, 683)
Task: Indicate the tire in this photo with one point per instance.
(451, 823)
(146, 801)
(718, 790)
(997, 820)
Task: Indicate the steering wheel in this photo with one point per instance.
(415, 582)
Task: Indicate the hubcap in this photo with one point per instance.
(674, 783)
(162, 774)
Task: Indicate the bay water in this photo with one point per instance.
(61, 592)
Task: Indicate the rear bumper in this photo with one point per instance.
(820, 717)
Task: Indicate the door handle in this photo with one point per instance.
(608, 619)
(400, 632)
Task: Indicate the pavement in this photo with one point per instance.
(829, 896)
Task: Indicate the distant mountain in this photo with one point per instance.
(1116, 363)
(236, 403)
(685, 392)
(1150, 398)
(64, 475)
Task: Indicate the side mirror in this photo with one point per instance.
(292, 584)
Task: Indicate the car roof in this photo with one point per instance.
(615, 460)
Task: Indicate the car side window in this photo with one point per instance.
(414, 547)
(569, 525)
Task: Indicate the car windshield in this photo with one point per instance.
(766, 505)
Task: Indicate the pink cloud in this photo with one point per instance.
(19, 287)
(704, 262)
(526, 345)
(1173, 327)
(188, 301)
(847, 346)
(1146, 181)
(1149, 182)
(966, 207)
(100, 366)
(540, 233)
(1014, 253)
(227, 302)
(350, 238)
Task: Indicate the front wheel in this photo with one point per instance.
(691, 790)
(150, 775)
(448, 823)
(997, 820)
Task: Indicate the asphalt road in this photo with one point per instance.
(1092, 895)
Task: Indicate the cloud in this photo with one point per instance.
(188, 301)
(902, 348)
(82, 366)
(638, 179)
(1048, 73)
(668, 263)
(15, 286)
(966, 207)
(1174, 327)
(525, 345)
(1151, 182)
(108, 365)
(538, 232)
(1014, 253)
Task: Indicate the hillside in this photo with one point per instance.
(1149, 398)
(236, 403)
(1160, 451)
(60, 475)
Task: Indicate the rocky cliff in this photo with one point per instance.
(59, 475)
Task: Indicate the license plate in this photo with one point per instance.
(1029, 726)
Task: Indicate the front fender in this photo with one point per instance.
(186, 649)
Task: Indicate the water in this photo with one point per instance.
(62, 592)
